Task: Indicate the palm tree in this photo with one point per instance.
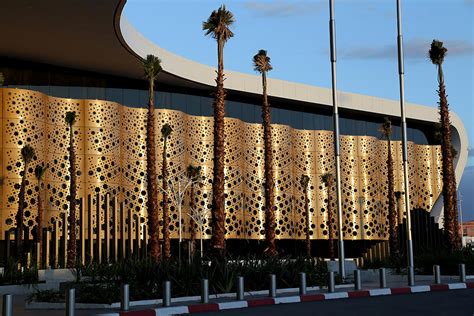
(218, 26)
(398, 198)
(304, 181)
(165, 132)
(151, 68)
(261, 63)
(194, 174)
(27, 154)
(386, 131)
(437, 54)
(40, 170)
(328, 180)
(71, 243)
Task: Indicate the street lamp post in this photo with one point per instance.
(411, 280)
(332, 31)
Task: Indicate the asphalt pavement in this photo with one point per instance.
(452, 303)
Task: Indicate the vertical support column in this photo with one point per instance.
(123, 235)
(130, 232)
(7, 244)
(107, 227)
(82, 229)
(47, 252)
(56, 244)
(90, 229)
(64, 239)
(98, 224)
(115, 229)
(137, 237)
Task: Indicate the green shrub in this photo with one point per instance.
(14, 275)
(100, 283)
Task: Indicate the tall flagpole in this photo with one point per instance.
(411, 271)
(332, 30)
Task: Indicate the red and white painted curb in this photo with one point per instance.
(215, 307)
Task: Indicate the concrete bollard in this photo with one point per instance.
(7, 309)
(70, 302)
(357, 280)
(124, 297)
(437, 274)
(383, 278)
(166, 293)
(272, 290)
(331, 282)
(240, 288)
(462, 273)
(204, 291)
(302, 283)
(411, 276)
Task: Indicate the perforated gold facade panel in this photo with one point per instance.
(110, 144)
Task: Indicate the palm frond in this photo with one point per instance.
(151, 67)
(304, 181)
(70, 118)
(386, 128)
(261, 62)
(437, 52)
(27, 153)
(40, 170)
(218, 24)
(166, 130)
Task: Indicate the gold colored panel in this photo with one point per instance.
(109, 140)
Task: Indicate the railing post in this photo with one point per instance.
(383, 278)
(204, 291)
(331, 282)
(462, 272)
(240, 288)
(272, 289)
(124, 297)
(7, 309)
(357, 280)
(166, 293)
(302, 283)
(437, 274)
(70, 302)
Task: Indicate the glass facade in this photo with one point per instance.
(72, 83)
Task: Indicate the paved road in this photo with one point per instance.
(452, 303)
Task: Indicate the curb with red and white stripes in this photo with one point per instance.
(215, 307)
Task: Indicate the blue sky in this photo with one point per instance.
(295, 34)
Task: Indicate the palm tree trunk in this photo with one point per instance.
(39, 223)
(152, 185)
(20, 215)
(392, 211)
(218, 198)
(193, 224)
(330, 224)
(166, 216)
(71, 247)
(306, 207)
(269, 181)
(449, 176)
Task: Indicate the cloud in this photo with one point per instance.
(284, 8)
(413, 49)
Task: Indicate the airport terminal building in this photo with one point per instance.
(84, 56)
